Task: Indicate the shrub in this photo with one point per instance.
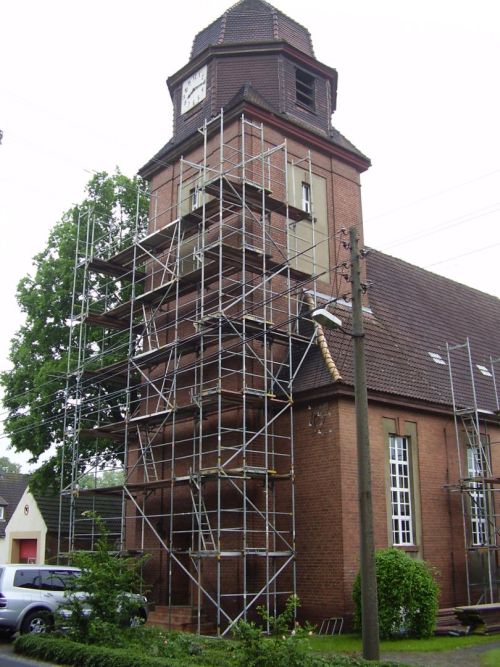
(106, 581)
(150, 647)
(407, 596)
(286, 647)
(131, 647)
(66, 652)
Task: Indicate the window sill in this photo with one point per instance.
(406, 547)
(304, 107)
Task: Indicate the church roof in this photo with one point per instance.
(413, 313)
(253, 21)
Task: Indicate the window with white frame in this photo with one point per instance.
(195, 198)
(401, 491)
(306, 197)
(476, 467)
(2, 512)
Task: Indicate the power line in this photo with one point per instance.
(433, 195)
(448, 224)
(465, 254)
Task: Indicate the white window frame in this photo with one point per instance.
(476, 467)
(305, 190)
(195, 198)
(2, 512)
(402, 519)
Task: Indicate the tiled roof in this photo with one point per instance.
(337, 138)
(247, 93)
(253, 21)
(415, 312)
(12, 487)
(106, 506)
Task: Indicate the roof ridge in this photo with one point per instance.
(222, 28)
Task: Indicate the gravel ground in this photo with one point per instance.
(460, 657)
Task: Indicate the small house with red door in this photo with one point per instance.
(22, 527)
(29, 521)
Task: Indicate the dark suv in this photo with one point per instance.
(31, 594)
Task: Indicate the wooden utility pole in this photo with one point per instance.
(369, 601)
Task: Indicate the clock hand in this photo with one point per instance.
(193, 89)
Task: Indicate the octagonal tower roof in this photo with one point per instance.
(253, 21)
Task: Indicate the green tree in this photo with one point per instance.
(6, 465)
(407, 595)
(34, 390)
(97, 479)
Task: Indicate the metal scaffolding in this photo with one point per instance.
(478, 484)
(189, 336)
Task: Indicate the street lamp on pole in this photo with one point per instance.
(369, 601)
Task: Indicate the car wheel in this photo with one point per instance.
(37, 623)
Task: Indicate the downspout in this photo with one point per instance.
(322, 343)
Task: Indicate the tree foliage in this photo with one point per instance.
(102, 478)
(34, 390)
(407, 595)
(8, 466)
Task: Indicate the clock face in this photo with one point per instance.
(194, 89)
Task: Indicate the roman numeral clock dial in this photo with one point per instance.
(194, 89)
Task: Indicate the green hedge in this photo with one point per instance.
(65, 652)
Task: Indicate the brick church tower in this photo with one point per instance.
(228, 411)
(210, 312)
(248, 202)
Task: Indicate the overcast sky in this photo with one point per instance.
(82, 88)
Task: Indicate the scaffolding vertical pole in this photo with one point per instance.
(66, 393)
(493, 365)
(211, 411)
(475, 492)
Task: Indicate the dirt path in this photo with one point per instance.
(460, 657)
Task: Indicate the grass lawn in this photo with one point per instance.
(491, 659)
(352, 644)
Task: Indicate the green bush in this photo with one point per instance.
(106, 581)
(66, 652)
(150, 647)
(132, 647)
(285, 647)
(407, 596)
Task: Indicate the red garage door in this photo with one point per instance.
(27, 551)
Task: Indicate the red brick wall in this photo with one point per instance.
(327, 503)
